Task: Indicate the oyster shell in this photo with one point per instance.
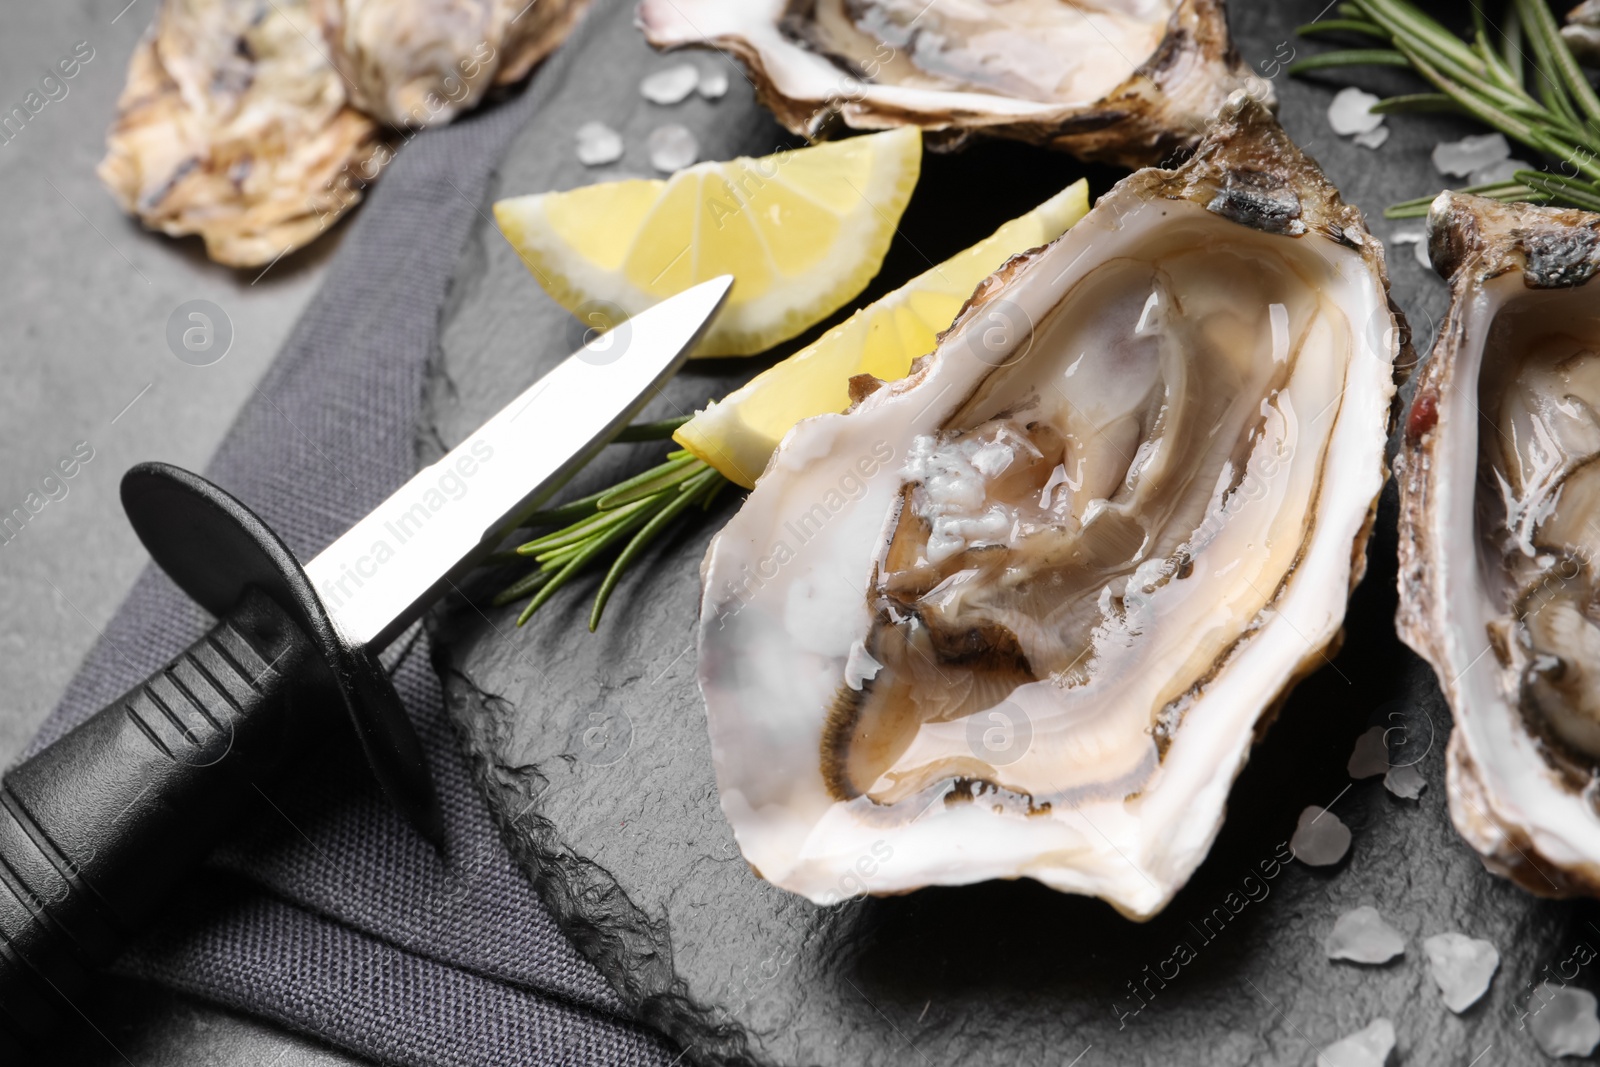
(1582, 31)
(416, 63)
(235, 127)
(236, 124)
(1022, 613)
(1128, 81)
(1500, 526)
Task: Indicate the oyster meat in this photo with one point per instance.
(1129, 81)
(1022, 613)
(1500, 530)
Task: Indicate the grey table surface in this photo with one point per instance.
(85, 295)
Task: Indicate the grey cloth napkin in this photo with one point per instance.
(328, 914)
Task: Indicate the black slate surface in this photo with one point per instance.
(593, 750)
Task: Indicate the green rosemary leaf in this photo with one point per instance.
(651, 431)
(1546, 36)
(578, 531)
(566, 513)
(1559, 187)
(717, 487)
(686, 496)
(1411, 211)
(1497, 67)
(1472, 104)
(1416, 35)
(1551, 91)
(642, 478)
(1415, 103)
(1511, 44)
(1349, 57)
(521, 587)
(577, 559)
(670, 474)
(1332, 26)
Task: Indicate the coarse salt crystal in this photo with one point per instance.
(1460, 158)
(1320, 839)
(1364, 1048)
(1405, 781)
(1351, 112)
(1361, 936)
(670, 86)
(598, 144)
(714, 84)
(1462, 967)
(672, 148)
(1564, 1024)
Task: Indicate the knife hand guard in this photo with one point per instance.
(99, 828)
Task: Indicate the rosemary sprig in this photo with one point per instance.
(631, 514)
(1545, 102)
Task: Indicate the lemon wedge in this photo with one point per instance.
(802, 231)
(738, 435)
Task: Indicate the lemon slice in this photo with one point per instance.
(801, 231)
(738, 435)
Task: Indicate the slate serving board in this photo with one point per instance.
(593, 752)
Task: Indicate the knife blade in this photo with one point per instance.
(98, 829)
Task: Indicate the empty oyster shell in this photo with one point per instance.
(1128, 81)
(1023, 613)
(1500, 525)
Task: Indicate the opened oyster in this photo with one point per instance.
(1023, 612)
(1128, 81)
(1500, 529)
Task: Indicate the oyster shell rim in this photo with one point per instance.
(1135, 124)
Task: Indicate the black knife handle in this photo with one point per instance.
(97, 830)
(100, 828)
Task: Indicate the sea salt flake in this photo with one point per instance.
(1364, 1048)
(1372, 139)
(1351, 112)
(1460, 158)
(1419, 240)
(670, 86)
(1462, 967)
(1503, 171)
(1406, 781)
(598, 144)
(1565, 1023)
(1370, 757)
(1320, 839)
(672, 148)
(714, 84)
(1361, 936)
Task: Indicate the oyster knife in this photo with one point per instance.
(99, 829)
